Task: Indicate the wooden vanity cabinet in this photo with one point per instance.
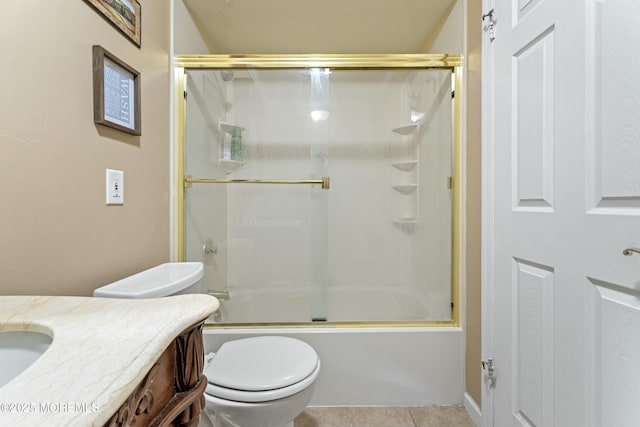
(172, 392)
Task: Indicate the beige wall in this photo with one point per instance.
(449, 36)
(473, 159)
(187, 38)
(57, 235)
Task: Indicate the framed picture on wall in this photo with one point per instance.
(122, 14)
(116, 92)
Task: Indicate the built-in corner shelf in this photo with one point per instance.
(406, 165)
(405, 178)
(406, 130)
(231, 165)
(405, 188)
(406, 225)
(230, 128)
(406, 219)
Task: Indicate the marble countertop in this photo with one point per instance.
(101, 350)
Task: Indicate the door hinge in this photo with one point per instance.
(489, 24)
(185, 94)
(490, 370)
(450, 182)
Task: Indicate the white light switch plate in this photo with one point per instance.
(115, 187)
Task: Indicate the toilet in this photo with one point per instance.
(263, 381)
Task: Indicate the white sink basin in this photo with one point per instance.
(18, 350)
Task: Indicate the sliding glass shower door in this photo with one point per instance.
(318, 195)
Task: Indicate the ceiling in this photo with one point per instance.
(318, 26)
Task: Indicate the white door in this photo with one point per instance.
(562, 202)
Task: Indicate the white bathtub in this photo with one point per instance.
(375, 366)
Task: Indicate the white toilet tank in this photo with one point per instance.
(172, 278)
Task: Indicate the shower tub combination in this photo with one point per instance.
(320, 195)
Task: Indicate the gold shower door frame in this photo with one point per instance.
(452, 62)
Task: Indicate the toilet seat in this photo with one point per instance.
(261, 369)
(213, 390)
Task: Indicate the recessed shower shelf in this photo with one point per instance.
(405, 166)
(405, 188)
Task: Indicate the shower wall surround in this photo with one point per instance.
(377, 246)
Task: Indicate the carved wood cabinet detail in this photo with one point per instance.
(172, 393)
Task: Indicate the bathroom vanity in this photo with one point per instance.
(171, 394)
(111, 362)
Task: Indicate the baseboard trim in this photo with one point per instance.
(472, 408)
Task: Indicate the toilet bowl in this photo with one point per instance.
(263, 381)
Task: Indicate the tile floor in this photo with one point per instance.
(382, 416)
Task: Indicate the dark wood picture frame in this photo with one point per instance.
(120, 15)
(116, 93)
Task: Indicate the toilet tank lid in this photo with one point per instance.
(159, 281)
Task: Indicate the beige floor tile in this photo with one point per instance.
(381, 417)
(441, 416)
(323, 417)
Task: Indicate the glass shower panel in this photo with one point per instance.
(252, 126)
(376, 246)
